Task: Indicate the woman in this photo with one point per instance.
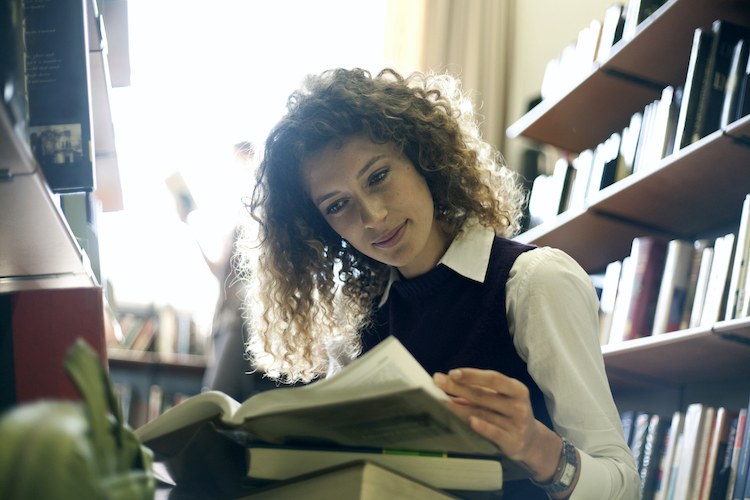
(382, 212)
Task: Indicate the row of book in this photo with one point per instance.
(664, 286)
(594, 45)
(715, 94)
(137, 408)
(699, 454)
(165, 331)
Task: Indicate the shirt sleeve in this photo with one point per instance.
(552, 312)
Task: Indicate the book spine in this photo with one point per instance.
(691, 93)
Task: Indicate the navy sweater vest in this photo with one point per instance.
(448, 321)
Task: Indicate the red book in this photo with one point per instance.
(648, 255)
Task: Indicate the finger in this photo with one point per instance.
(490, 379)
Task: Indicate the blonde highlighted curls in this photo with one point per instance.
(309, 287)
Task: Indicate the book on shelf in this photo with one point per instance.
(742, 478)
(692, 89)
(695, 266)
(718, 281)
(736, 453)
(717, 450)
(691, 455)
(637, 12)
(703, 446)
(12, 67)
(719, 488)
(271, 462)
(738, 280)
(627, 420)
(701, 287)
(653, 451)
(604, 167)
(732, 108)
(59, 94)
(622, 302)
(352, 481)
(582, 164)
(648, 255)
(743, 94)
(638, 439)
(711, 102)
(384, 399)
(560, 187)
(674, 287)
(628, 146)
(672, 437)
(608, 299)
(612, 28)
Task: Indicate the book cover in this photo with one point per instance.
(622, 302)
(691, 456)
(735, 80)
(718, 281)
(670, 451)
(692, 88)
(743, 463)
(652, 454)
(58, 86)
(738, 283)
(608, 300)
(736, 453)
(717, 450)
(648, 254)
(706, 442)
(674, 287)
(711, 101)
(13, 66)
(701, 287)
(638, 441)
(354, 481)
(436, 469)
(721, 478)
(695, 266)
(612, 27)
(403, 410)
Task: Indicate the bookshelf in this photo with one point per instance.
(49, 295)
(694, 193)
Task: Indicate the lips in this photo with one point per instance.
(391, 238)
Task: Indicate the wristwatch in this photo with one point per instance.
(569, 469)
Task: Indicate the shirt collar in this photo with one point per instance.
(468, 255)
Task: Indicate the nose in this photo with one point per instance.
(372, 211)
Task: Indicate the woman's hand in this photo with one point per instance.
(498, 407)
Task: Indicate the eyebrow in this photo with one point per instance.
(361, 172)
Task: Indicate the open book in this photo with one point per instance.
(384, 399)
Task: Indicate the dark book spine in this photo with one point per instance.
(57, 79)
(13, 66)
(693, 82)
(742, 467)
(708, 117)
(652, 453)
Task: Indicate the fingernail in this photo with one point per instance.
(456, 374)
(439, 378)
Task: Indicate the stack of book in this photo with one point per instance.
(382, 409)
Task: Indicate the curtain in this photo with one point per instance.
(470, 39)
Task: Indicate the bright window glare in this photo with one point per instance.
(204, 76)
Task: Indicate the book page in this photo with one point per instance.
(388, 361)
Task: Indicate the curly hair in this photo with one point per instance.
(310, 287)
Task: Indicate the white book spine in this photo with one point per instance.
(739, 269)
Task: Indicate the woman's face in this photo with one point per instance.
(375, 199)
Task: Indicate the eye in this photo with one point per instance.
(379, 176)
(335, 207)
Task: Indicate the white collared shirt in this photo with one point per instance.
(552, 314)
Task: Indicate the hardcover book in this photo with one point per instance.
(57, 77)
(384, 399)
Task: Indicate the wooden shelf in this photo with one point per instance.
(694, 192)
(146, 359)
(696, 355)
(38, 248)
(631, 78)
